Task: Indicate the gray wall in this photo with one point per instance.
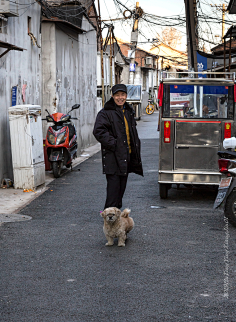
(16, 69)
(70, 75)
(87, 79)
(124, 77)
(49, 98)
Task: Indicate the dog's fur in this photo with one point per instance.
(116, 224)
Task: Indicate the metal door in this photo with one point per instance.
(37, 138)
(196, 145)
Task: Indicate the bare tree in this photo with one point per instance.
(171, 37)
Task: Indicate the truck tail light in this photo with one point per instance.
(166, 132)
(223, 165)
(227, 132)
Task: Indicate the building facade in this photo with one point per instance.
(20, 68)
(48, 57)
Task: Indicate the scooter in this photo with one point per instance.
(226, 197)
(61, 140)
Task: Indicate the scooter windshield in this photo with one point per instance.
(198, 101)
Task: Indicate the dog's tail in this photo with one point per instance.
(125, 213)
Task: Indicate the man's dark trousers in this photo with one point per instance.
(115, 190)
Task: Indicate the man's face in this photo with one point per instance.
(120, 98)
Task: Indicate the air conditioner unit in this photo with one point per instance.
(148, 60)
(9, 8)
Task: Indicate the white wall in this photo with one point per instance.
(18, 68)
(106, 69)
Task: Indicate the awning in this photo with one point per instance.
(64, 22)
(231, 32)
(9, 47)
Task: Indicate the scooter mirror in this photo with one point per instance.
(74, 107)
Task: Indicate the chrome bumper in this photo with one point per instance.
(190, 177)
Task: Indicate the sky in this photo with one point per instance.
(163, 8)
(157, 7)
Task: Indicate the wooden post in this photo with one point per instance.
(223, 21)
(101, 51)
(111, 58)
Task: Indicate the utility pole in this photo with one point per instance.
(223, 22)
(190, 9)
(134, 40)
(223, 17)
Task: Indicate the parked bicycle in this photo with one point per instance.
(150, 107)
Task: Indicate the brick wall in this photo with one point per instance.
(140, 55)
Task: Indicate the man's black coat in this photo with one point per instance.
(109, 130)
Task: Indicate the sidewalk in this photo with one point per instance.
(12, 200)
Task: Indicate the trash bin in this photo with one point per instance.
(27, 146)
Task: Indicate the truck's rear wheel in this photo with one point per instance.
(163, 190)
(230, 208)
(56, 169)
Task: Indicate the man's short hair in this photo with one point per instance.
(119, 88)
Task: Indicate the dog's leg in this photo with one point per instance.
(121, 240)
(110, 241)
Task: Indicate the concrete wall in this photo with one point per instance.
(87, 79)
(49, 97)
(70, 75)
(17, 69)
(145, 97)
(124, 77)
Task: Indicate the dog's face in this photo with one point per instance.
(111, 214)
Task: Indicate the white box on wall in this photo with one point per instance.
(27, 146)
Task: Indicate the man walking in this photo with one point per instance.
(115, 129)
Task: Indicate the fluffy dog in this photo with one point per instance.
(116, 224)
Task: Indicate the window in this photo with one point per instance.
(198, 101)
(134, 92)
(3, 25)
(29, 24)
(9, 8)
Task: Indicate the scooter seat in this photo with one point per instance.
(227, 154)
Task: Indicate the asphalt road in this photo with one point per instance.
(178, 263)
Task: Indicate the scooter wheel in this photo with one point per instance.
(56, 169)
(230, 208)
